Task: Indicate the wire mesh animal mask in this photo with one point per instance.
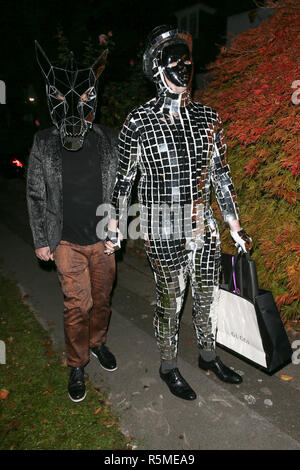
(72, 96)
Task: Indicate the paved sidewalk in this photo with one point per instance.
(261, 413)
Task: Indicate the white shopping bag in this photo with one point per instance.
(237, 327)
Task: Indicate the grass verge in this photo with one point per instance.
(36, 412)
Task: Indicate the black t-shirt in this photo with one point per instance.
(82, 192)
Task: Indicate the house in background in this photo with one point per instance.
(203, 23)
(213, 27)
(240, 22)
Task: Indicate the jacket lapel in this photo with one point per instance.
(56, 157)
(102, 152)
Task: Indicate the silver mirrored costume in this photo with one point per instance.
(179, 147)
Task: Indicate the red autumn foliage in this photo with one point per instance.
(255, 88)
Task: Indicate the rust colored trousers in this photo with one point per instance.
(86, 275)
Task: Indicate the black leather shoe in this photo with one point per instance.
(222, 372)
(177, 385)
(106, 358)
(76, 385)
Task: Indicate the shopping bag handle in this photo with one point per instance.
(235, 290)
(239, 282)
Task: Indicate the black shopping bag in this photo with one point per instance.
(249, 323)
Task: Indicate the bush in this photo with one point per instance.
(254, 88)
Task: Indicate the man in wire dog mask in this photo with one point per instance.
(71, 171)
(72, 97)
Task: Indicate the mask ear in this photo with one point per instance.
(42, 59)
(99, 65)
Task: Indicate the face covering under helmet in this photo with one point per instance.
(177, 62)
(164, 46)
(72, 97)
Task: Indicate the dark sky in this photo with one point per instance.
(23, 21)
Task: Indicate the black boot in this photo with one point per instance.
(76, 386)
(177, 385)
(222, 372)
(106, 358)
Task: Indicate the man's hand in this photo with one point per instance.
(242, 240)
(109, 247)
(114, 238)
(44, 253)
(113, 241)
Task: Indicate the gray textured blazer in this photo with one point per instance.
(44, 181)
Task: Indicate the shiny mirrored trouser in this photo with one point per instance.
(174, 264)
